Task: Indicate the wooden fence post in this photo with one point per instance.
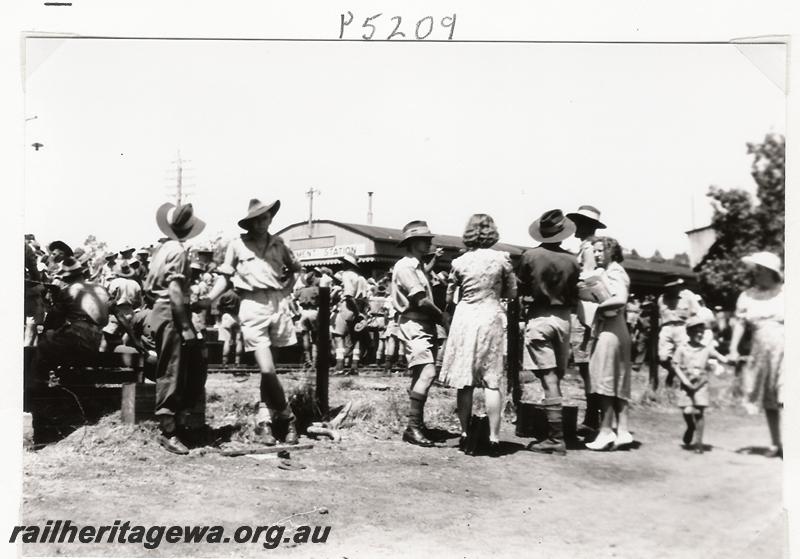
(653, 346)
(513, 349)
(323, 348)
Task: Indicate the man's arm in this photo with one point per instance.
(422, 303)
(128, 327)
(430, 265)
(180, 311)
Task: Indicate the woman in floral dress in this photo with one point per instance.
(610, 363)
(474, 355)
(761, 309)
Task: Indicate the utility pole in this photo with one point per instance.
(369, 210)
(179, 188)
(182, 190)
(311, 192)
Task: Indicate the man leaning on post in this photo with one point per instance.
(181, 370)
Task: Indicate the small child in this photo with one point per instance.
(692, 366)
(230, 330)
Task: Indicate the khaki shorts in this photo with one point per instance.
(670, 337)
(265, 320)
(419, 340)
(547, 341)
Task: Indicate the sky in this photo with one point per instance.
(437, 131)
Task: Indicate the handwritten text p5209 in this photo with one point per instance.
(381, 27)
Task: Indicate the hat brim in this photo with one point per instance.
(274, 207)
(580, 217)
(675, 283)
(754, 262)
(196, 227)
(404, 242)
(62, 246)
(568, 231)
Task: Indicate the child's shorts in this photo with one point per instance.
(698, 398)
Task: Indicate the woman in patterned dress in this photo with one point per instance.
(761, 309)
(610, 363)
(476, 343)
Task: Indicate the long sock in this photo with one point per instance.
(416, 409)
(272, 392)
(690, 426)
(700, 423)
(464, 408)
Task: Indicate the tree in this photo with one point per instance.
(745, 225)
(681, 259)
(657, 257)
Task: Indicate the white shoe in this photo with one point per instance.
(604, 441)
(623, 439)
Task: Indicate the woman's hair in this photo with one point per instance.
(481, 232)
(611, 248)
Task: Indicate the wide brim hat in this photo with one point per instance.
(127, 249)
(256, 208)
(350, 260)
(589, 214)
(415, 230)
(62, 246)
(766, 260)
(110, 256)
(552, 227)
(179, 222)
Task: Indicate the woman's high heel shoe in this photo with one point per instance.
(604, 441)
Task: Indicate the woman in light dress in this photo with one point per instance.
(475, 351)
(610, 363)
(761, 308)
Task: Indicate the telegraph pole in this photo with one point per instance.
(182, 190)
(369, 208)
(179, 189)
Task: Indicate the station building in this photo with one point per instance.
(323, 242)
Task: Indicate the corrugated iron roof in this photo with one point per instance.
(388, 234)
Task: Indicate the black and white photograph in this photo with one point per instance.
(397, 291)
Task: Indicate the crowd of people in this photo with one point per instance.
(450, 326)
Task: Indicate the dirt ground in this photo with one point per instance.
(383, 497)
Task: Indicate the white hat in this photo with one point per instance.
(765, 259)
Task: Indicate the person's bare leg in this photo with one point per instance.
(494, 405)
(688, 417)
(340, 351)
(700, 422)
(774, 424)
(427, 374)
(464, 408)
